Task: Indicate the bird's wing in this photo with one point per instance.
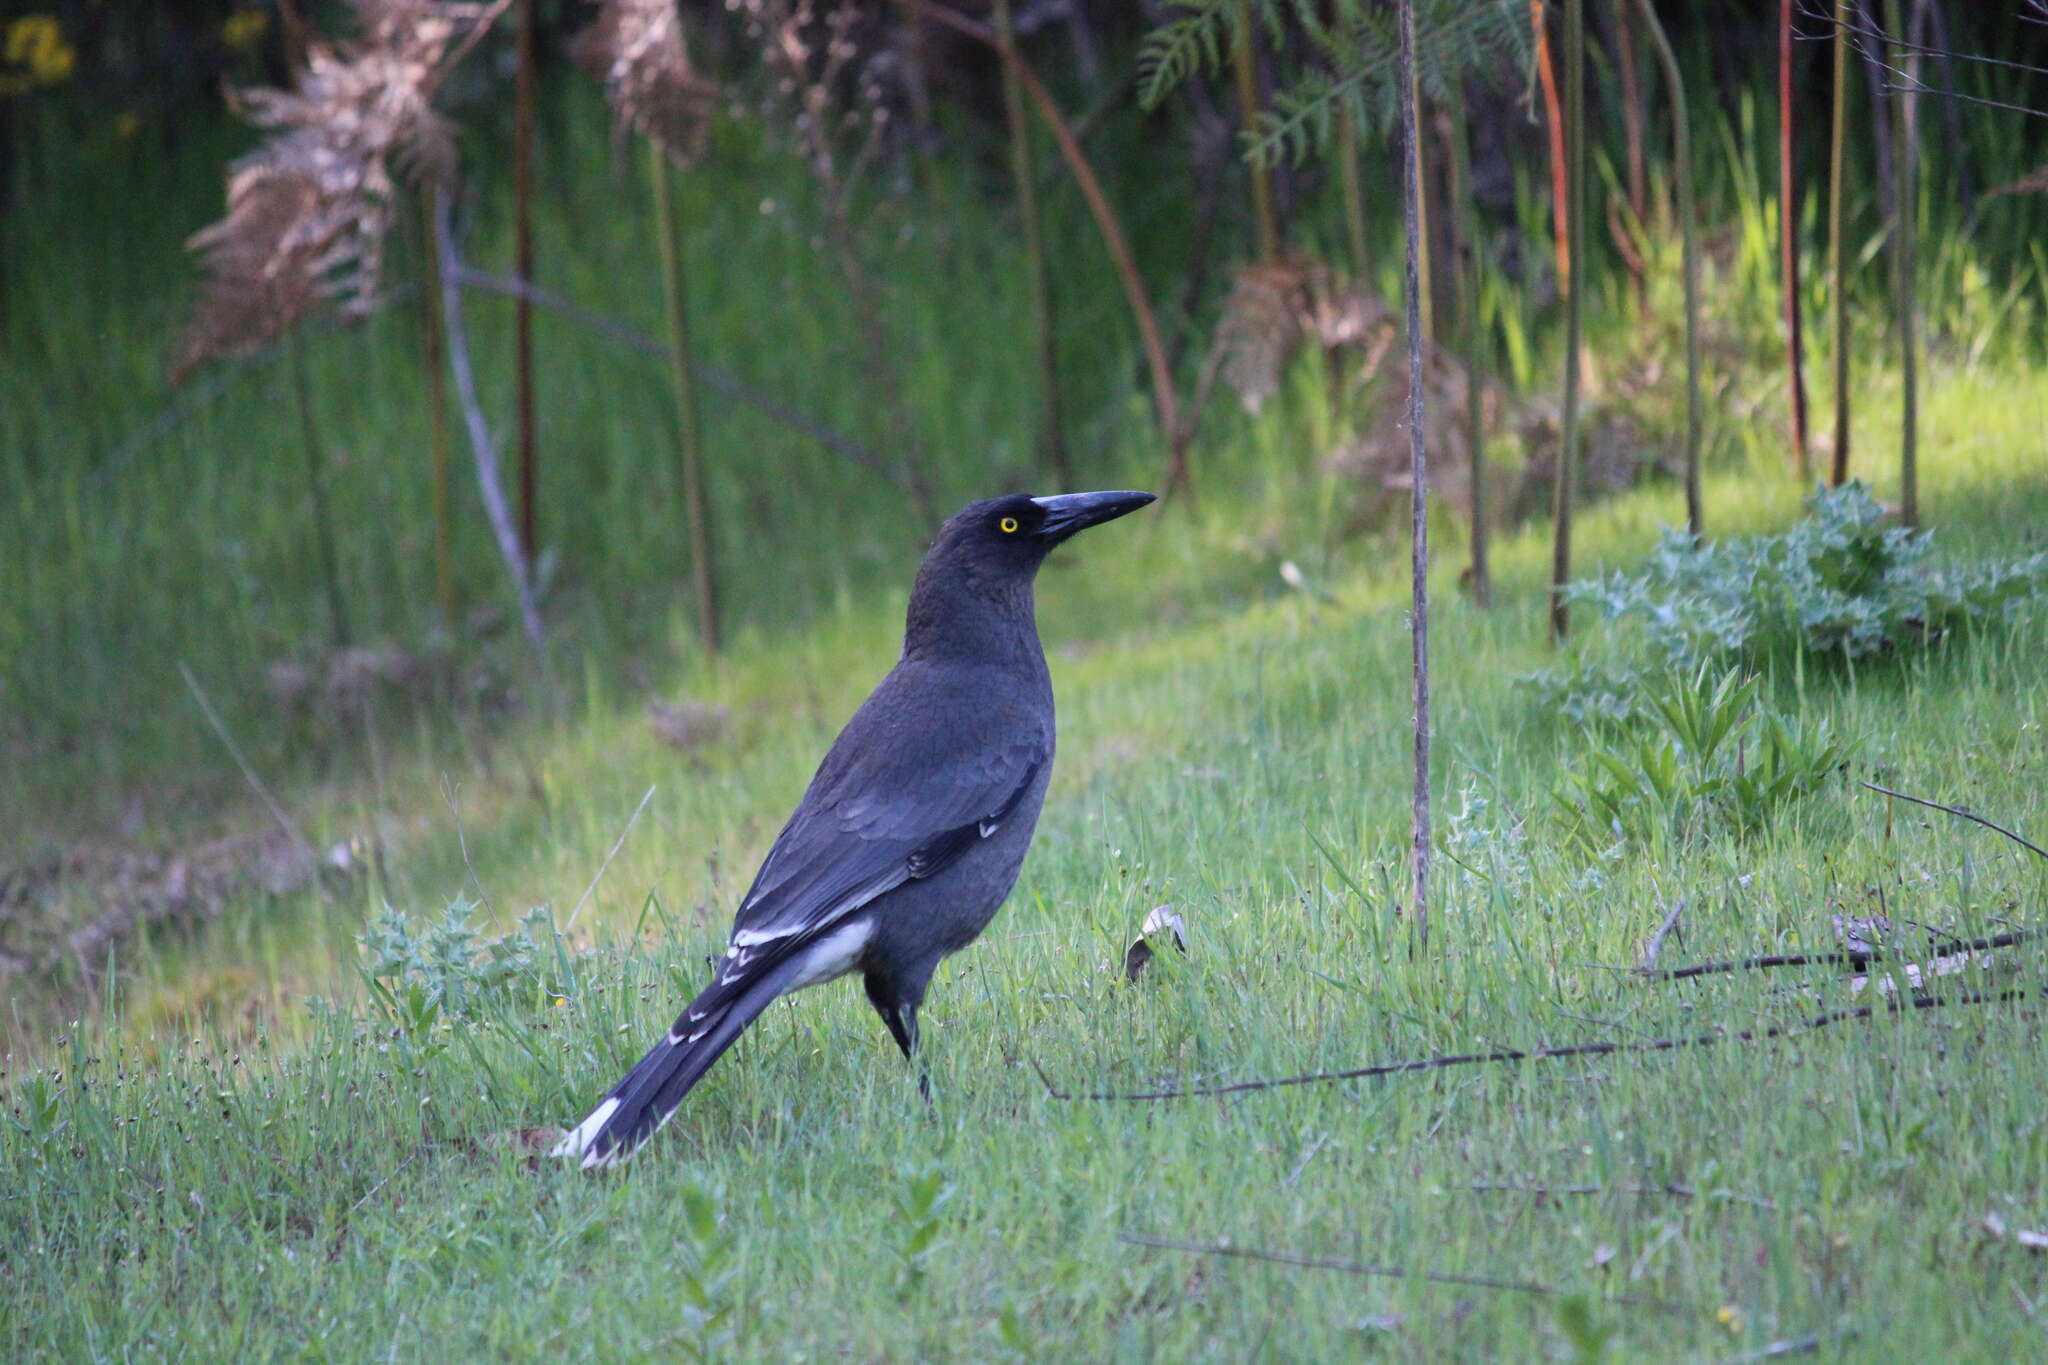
(867, 828)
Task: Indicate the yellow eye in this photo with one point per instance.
(1009, 525)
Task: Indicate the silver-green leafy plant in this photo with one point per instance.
(1840, 584)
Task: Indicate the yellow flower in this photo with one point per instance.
(127, 124)
(36, 42)
(1730, 1317)
(244, 29)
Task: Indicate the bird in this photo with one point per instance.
(911, 833)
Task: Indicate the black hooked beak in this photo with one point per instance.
(1066, 513)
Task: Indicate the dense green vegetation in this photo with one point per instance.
(196, 1162)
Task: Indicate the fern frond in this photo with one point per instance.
(1185, 47)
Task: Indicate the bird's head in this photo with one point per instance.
(1010, 537)
(975, 582)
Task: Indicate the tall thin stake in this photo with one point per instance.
(1905, 203)
(1838, 262)
(689, 427)
(1418, 472)
(1688, 231)
(1571, 235)
(522, 233)
(1052, 440)
(1788, 245)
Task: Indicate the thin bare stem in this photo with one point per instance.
(1681, 169)
(1905, 228)
(1632, 129)
(1857, 959)
(1354, 193)
(1106, 223)
(1024, 177)
(437, 412)
(1464, 221)
(316, 493)
(1244, 66)
(1960, 813)
(689, 428)
(1571, 233)
(496, 510)
(1349, 1267)
(717, 380)
(1788, 246)
(617, 844)
(1544, 1054)
(1838, 260)
(1418, 473)
(522, 322)
(1553, 123)
(249, 774)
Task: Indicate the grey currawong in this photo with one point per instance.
(911, 834)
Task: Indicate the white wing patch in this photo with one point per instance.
(833, 955)
(578, 1142)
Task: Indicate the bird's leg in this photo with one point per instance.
(900, 1014)
(903, 1023)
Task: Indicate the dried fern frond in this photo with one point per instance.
(1275, 307)
(635, 48)
(309, 210)
(1261, 327)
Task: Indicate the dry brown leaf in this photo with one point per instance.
(1275, 307)
(635, 48)
(1162, 920)
(1864, 936)
(688, 725)
(309, 210)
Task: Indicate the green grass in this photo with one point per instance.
(194, 1165)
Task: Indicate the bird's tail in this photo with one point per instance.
(638, 1105)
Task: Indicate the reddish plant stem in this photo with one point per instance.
(1106, 223)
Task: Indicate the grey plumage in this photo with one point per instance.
(912, 832)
